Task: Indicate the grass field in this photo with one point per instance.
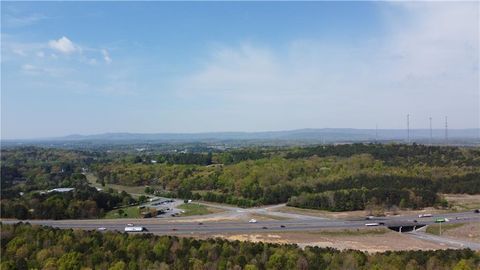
(134, 191)
(193, 209)
(127, 212)
(462, 202)
(435, 229)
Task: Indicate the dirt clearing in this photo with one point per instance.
(371, 240)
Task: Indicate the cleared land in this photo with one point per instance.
(371, 240)
(135, 191)
(461, 231)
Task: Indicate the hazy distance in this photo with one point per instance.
(154, 67)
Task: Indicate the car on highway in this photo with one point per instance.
(441, 220)
(174, 229)
(252, 220)
(372, 224)
(200, 223)
(282, 226)
(424, 215)
(476, 211)
(264, 228)
(369, 217)
(102, 229)
(130, 224)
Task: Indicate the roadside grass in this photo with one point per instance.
(352, 232)
(435, 229)
(126, 212)
(267, 216)
(193, 209)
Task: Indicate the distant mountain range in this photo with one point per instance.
(309, 135)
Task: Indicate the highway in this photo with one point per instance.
(186, 225)
(295, 222)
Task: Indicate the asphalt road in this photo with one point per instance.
(186, 225)
(287, 222)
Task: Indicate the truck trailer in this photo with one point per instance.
(135, 229)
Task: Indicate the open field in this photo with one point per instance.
(462, 202)
(127, 212)
(371, 240)
(194, 209)
(135, 191)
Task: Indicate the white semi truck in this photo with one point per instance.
(135, 229)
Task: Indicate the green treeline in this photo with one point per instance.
(36, 247)
(395, 154)
(83, 202)
(276, 179)
(412, 175)
(27, 174)
(358, 199)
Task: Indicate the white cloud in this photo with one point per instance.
(426, 64)
(106, 56)
(36, 70)
(19, 52)
(63, 45)
(12, 20)
(28, 67)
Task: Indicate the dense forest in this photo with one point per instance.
(329, 177)
(323, 177)
(35, 247)
(28, 173)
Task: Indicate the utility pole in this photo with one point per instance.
(408, 128)
(431, 133)
(446, 130)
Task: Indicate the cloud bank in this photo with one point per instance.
(425, 64)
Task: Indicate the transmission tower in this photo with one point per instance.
(408, 128)
(446, 130)
(431, 133)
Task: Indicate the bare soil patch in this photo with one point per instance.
(363, 239)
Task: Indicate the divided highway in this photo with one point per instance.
(188, 225)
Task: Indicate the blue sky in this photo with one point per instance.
(94, 67)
